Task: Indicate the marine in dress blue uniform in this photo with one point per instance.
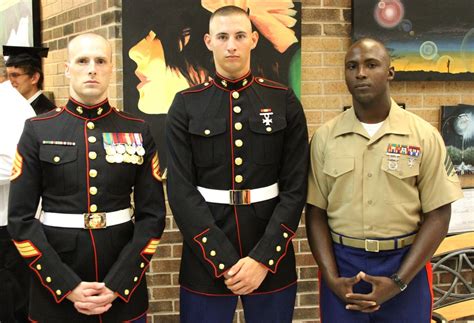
(84, 161)
(237, 153)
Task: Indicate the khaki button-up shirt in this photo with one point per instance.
(378, 187)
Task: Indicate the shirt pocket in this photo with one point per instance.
(340, 175)
(267, 141)
(400, 177)
(208, 141)
(60, 169)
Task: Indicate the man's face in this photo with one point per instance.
(231, 40)
(26, 84)
(89, 69)
(368, 71)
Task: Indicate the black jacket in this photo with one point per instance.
(42, 105)
(61, 157)
(218, 139)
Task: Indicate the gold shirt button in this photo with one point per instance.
(204, 240)
(235, 95)
(92, 139)
(142, 265)
(207, 132)
(93, 190)
(237, 109)
(90, 125)
(370, 202)
(221, 266)
(238, 126)
(213, 253)
(92, 173)
(58, 292)
(285, 235)
(57, 159)
(126, 292)
(93, 208)
(278, 248)
(238, 161)
(239, 179)
(135, 279)
(92, 155)
(369, 174)
(271, 262)
(268, 129)
(48, 279)
(239, 143)
(38, 267)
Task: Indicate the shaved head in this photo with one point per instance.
(86, 40)
(369, 43)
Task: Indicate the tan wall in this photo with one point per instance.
(326, 30)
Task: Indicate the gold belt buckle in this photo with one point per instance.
(239, 197)
(372, 245)
(95, 220)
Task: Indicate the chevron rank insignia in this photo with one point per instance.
(17, 166)
(151, 246)
(26, 249)
(155, 167)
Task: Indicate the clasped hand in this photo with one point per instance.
(245, 276)
(383, 289)
(92, 298)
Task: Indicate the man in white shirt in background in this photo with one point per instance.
(14, 275)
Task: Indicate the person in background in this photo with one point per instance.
(380, 188)
(90, 252)
(26, 75)
(14, 275)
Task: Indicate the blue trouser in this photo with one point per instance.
(413, 305)
(274, 307)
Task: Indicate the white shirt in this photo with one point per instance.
(34, 96)
(372, 128)
(14, 110)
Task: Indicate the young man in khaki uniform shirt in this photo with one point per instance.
(379, 194)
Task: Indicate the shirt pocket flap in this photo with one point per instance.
(258, 126)
(57, 154)
(336, 167)
(207, 127)
(403, 167)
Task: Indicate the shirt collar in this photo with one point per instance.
(394, 123)
(85, 111)
(233, 85)
(35, 96)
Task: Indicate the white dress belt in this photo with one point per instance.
(239, 197)
(98, 220)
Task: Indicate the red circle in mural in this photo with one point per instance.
(389, 13)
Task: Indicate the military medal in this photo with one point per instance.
(120, 148)
(139, 142)
(140, 160)
(118, 158)
(266, 114)
(411, 162)
(110, 159)
(110, 150)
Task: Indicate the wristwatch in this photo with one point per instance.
(400, 283)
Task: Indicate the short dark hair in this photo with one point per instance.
(228, 11)
(31, 69)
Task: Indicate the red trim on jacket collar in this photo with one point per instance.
(233, 85)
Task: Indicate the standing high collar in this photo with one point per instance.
(233, 85)
(85, 111)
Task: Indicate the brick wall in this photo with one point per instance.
(326, 30)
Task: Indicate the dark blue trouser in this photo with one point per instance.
(274, 307)
(413, 305)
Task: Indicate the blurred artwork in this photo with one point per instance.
(457, 129)
(427, 39)
(17, 24)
